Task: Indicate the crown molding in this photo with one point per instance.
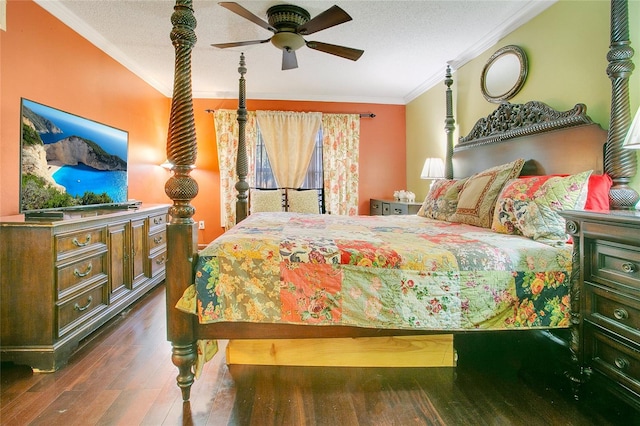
(524, 15)
(72, 20)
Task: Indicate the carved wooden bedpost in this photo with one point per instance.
(181, 188)
(620, 163)
(242, 167)
(449, 126)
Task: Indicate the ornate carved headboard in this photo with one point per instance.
(552, 142)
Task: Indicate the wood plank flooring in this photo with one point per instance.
(124, 376)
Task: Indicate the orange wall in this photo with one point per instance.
(45, 61)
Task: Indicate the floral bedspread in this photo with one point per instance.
(401, 272)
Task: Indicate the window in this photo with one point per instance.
(264, 175)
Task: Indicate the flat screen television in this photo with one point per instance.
(69, 162)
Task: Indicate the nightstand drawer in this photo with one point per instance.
(398, 209)
(613, 310)
(613, 359)
(375, 207)
(614, 263)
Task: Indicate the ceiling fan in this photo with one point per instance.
(289, 23)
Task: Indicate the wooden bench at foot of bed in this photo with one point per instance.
(384, 351)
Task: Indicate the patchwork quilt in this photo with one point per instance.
(399, 272)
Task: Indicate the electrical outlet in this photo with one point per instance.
(201, 224)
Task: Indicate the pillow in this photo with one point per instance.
(519, 189)
(265, 200)
(538, 219)
(598, 195)
(442, 199)
(303, 201)
(477, 197)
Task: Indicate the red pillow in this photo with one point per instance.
(598, 195)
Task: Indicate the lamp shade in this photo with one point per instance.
(632, 140)
(433, 169)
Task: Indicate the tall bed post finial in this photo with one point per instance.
(181, 188)
(449, 126)
(620, 163)
(242, 166)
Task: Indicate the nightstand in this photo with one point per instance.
(392, 207)
(607, 292)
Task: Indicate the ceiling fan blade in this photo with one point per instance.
(237, 9)
(327, 19)
(239, 43)
(344, 52)
(289, 59)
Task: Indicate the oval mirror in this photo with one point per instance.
(504, 74)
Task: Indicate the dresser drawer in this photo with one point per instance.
(78, 309)
(613, 359)
(158, 261)
(73, 276)
(614, 263)
(76, 243)
(157, 222)
(398, 209)
(157, 240)
(375, 207)
(613, 310)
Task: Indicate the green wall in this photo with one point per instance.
(566, 47)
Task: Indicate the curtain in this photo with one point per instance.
(226, 126)
(341, 141)
(289, 138)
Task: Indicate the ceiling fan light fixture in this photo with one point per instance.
(287, 41)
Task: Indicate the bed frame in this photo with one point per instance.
(512, 131)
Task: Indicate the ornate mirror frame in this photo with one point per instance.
(504, 74)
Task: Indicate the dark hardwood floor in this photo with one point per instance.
(124, 376)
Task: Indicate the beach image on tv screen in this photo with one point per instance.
(70, 161)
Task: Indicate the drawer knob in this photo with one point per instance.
(160, 260)
(83, 274)
(629, 267)
(85, 307)
(77, 243)
(157, 220)
(620, 314)
(621, 363)
(157, 240)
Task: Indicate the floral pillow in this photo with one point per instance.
(442, 199)
(519, 189)
(477, 198)
(537, 217)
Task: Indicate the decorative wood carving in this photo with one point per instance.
(515, 120)
(620, 163)
(181, 188)
(449, 126)
(242, 163)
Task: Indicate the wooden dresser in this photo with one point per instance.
(609, 327)
(390, 207)
(62, 279)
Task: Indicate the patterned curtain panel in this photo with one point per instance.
(341, 141)
(289, 138)
(226, 126)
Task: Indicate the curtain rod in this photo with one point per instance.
(362, 114)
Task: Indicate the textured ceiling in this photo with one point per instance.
(407, 45)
